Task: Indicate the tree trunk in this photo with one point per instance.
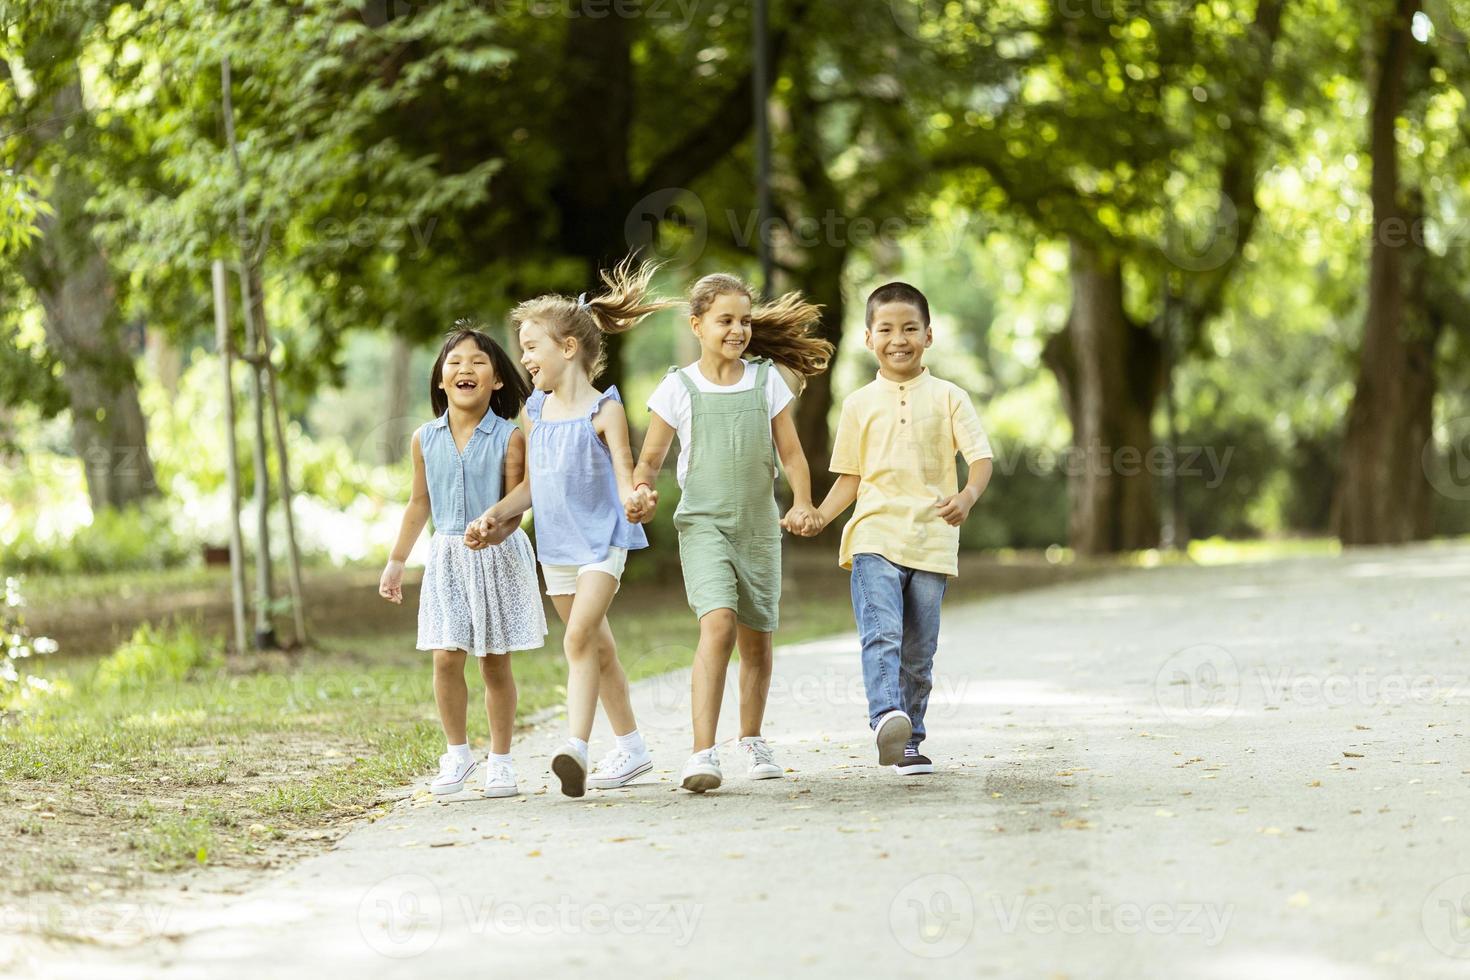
(1385, 493)
(395, 444)
(822, 279)
(1110, 373)
(84, 330)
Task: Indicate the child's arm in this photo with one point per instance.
(656, 442)
(508, 510)
(956, 507)
(483, 534)
(798, 473)
(415, 516)
(611, 422)
(839, 498)
(971, 441)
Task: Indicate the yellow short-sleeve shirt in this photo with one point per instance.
(900, 440)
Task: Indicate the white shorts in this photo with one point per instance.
(562, 579)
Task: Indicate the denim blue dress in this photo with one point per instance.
(575, 507)
(483, 601)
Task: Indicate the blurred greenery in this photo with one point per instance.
(1214, 157)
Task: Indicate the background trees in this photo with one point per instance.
(1147, 225)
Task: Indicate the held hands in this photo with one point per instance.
(390, 586)
(803, 521)
(489, 529)
(641, 504)
(955, 508)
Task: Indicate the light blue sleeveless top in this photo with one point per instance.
(463, 485)
(575, 506)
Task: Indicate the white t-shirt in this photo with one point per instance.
(670, 401)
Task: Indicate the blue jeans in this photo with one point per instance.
(897, 612)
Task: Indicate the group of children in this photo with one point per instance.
(476, 473)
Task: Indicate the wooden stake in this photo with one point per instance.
(232, 467)
(265, 633)
(293, 553)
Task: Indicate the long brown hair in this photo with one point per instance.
(624, 301)
(780, 330)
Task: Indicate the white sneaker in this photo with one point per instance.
(570, 766)
(701, 772)
(761, 759)
(453, 772)
(619, 768)
(500, 779)
(892, 735)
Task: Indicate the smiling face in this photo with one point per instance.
(543, 357)
(899, 336)
(467, 376)
(724, 328)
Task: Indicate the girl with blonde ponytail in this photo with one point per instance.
(733, 416)
(579, 482)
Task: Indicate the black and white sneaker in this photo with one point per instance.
(914, 763)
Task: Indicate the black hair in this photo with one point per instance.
(505, 401)
(897, 292)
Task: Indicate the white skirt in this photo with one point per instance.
(481, 602)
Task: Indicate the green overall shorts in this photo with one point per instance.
(729, 527)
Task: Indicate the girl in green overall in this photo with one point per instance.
(733, 415)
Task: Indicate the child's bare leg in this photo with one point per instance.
(755, 678)
(450, 694)
(500, 699)
(584, 614)
(612, 684)
(707, 682)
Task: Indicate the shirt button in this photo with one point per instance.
(902, 421)
(903, 403)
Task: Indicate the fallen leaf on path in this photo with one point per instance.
(1352, 755)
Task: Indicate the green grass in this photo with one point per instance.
(1219, 551)
(167, 755)
(178, 758)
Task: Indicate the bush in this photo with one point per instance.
(18, 645)
(156, 653)
(132, 539)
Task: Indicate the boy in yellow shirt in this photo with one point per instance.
(895, 453)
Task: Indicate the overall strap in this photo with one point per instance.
(534, 405)
(762, 369)
(684, 377)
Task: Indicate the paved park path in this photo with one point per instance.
(1255, 771)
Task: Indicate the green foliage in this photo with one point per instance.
(16, 688)
(154, 654)
(134, 538)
